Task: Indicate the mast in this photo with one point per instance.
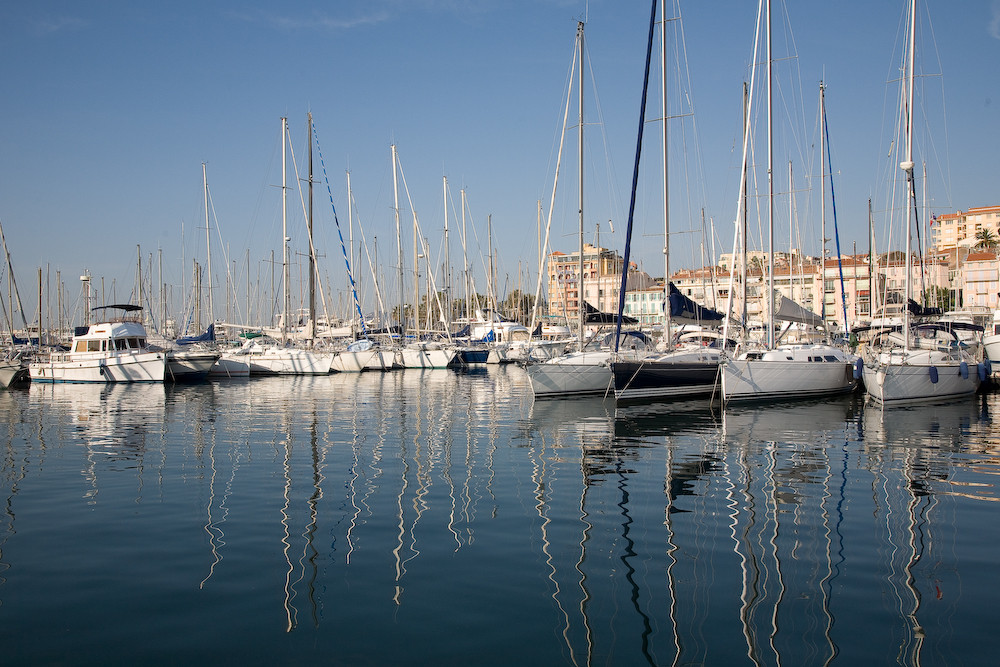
(248, 319)
(580, 297)
(350, 224)
(208, 243)
(822, 205)
(872, 288)
(163, 291)
(39, 308)
(11, 282)
(491, 285)
(285, 269)
(416, 269)
(399, 243)
(447, 259)
(770, 188)
(667, 337)
(138, 277)
(907, 167)
(744, 268)
(312, 249)
(465, 265)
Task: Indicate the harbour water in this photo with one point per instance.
(446, 518)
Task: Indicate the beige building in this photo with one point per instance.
(602, 271)
(979, 281)
(960, 230)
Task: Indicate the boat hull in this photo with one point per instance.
(139, 367)
(12, 372)
(576, 375)
(427, 358)
(230, 365)
(289, 361)
(372, 359)
(897, 380)
(643, 379)
(772, 379)
(471, 356)
(190, 365)
(991, 345)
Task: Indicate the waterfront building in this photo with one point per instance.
(961, 229)
(602, 271)
(979, 281)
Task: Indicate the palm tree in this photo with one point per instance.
(986, 239)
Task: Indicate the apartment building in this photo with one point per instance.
(602, 274)
(961, 229)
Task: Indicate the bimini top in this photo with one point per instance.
(127, 307)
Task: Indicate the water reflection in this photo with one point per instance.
(438, 507)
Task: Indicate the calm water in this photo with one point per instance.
(445, 518)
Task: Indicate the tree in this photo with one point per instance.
(939, 297)
(986, 239)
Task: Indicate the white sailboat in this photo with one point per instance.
(14, 362)
(267, 356)
(585, 371)
(781, 372)
(688, 368)
(897, 367)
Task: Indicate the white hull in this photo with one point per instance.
(774, 378)
(288, 361)
(100, 367)
(231, 365)
(190, 364)
(896, 377)
(991, 344)
(11, 372)
(574, 374)
(427, 358)
(498, 355)
(372, 359)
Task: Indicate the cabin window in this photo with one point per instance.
(93, 346)
(121, 344)
(830, 357)
(81, 346)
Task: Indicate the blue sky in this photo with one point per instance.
(111, 107)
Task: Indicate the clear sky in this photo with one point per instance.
(110, 108)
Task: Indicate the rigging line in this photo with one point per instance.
(836, 229)
(310, 234)
(340, 235)
(635, 178)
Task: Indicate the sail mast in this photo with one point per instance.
(399, 243)
(770, 188)
(822, 205)
(208, 243)
(666, 192)
(285, 270)
(907, 166)
(312, 250)
(447, 259)
(580, 298)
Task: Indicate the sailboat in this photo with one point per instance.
(909, 365)
(683, 370)
(267, 356)
(13, 364)
(585, 371)
(780, 372)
